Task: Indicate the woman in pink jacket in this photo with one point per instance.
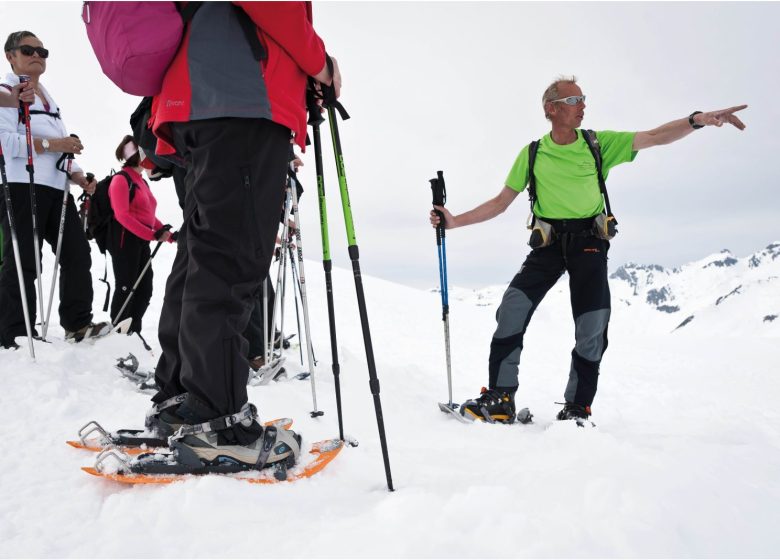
(133, 227)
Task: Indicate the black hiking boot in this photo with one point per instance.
(492, 405)
(92, 330)
(576, 412)
(165, 423)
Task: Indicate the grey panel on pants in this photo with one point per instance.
(512, 313)
(507, 372)
(589, 336)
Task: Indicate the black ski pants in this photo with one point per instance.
(129, 255)
(75, 280)
(584, 257)
(234, 186)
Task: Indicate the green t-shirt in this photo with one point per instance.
(567, 185)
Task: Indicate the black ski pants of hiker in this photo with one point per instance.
(75, 281)
(129, 255)
(234, 185)
(584, 257)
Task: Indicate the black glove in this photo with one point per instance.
(159, 233)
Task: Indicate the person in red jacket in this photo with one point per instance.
(231, 100)
(134, 226)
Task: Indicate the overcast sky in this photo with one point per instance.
(457, 86)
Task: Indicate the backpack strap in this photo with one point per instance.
(250, 32)
(533, 147)
(130, 184)
(247, 26)
(595, 149)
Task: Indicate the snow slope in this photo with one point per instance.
(684, 461)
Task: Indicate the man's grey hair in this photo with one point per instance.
(551, 92)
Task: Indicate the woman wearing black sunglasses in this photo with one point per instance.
(27, 56)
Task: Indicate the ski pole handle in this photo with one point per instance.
(439, 191)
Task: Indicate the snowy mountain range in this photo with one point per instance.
(718, 295)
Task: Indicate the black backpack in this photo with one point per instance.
(96, 212)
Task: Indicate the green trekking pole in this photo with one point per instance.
(332, 105)
(315, 119)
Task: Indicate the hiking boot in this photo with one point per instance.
(277, 447)
(571, 411)
(9, 343)
(92, 330)
(167, 422)
(257, 362)
(492, 405)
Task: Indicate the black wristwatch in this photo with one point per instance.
(692, 122)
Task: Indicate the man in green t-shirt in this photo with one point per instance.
(568, 198)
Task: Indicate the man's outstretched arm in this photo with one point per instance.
(481, 213)
(680, 128)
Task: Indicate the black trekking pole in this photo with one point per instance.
(17, 257)
(69, 157)
(115, 321)
(315, 120)
(439, 199)
(332, 106)
(24, 109)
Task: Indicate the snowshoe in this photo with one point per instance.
(161, 423)
(94, 331)
(267, 372)
(195, 449)
(491, 406)
(580, 414)
(129, 368)
(112, 465)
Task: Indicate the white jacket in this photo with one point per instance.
(14, 141)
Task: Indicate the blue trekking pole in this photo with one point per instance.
(439, 199)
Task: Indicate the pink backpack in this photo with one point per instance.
(135, 42)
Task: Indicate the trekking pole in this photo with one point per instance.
(266, 344)
(69, 157)
(24, 108)
(295, 295)
(302, 279)
(315, 120)
(17, 257)
(332, 105)
(87, 204)
(282, 263)
(297, 279)
(115, 322)
(439, 199)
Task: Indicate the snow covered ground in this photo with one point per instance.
(685, 461)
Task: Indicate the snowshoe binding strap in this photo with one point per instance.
(158, 408)
(269, 440)
(247, 412)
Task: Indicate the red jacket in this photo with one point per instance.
(214, 74)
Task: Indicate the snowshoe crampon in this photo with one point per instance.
(113, 465)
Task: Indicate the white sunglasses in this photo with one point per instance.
(571, 100)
